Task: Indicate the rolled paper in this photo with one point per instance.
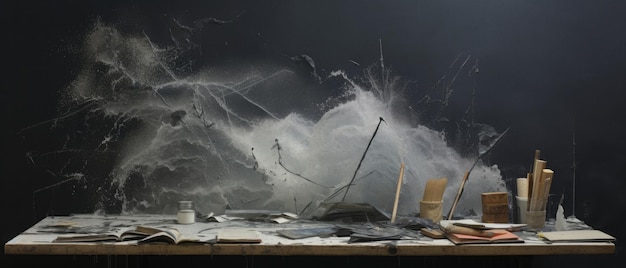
(522, 187)
(540, 197)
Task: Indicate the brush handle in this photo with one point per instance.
(531, 177)
(395, 203)
(458, 195)
(538, 184)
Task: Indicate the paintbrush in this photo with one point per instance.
(466, 176)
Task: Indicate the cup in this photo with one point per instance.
(522, 206)
(535, 220)
(431, 210)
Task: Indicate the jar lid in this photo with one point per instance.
(182, 205)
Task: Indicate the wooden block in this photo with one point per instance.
(492, 198)
(496, 218)
(495, 207)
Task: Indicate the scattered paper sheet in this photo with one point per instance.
(576, 236)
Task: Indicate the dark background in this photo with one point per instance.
(548, 69)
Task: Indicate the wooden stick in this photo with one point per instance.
(395, 203)
(537, 154)
(529, 191)
(458, 196)
(530, 176)
(537, 184)
(547, 175)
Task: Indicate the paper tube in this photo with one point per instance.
(522, 187)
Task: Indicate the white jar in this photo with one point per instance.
(186, 214)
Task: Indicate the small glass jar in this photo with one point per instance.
(186, 214)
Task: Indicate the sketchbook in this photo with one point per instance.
(499, 236)
(577, 236)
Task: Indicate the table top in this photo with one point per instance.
(38, 240)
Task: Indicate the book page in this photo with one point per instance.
(109, 236)
(167, 235)
(87, 238)
(238, 236)
(196, 238)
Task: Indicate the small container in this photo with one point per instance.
(431, 210)
(186, 214)
(535, 220)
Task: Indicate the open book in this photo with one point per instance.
(172, 236)
(141, 234)
(125, 234)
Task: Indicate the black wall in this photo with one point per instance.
(547, 69)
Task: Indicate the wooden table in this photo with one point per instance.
(37, 240)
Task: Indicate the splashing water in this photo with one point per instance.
(244, 140)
